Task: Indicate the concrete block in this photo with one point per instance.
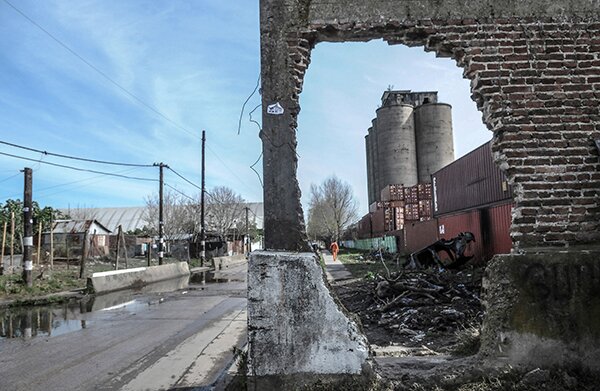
(135, 278)
(295, 326)
(543, 309)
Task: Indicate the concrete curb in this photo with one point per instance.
(132, 278)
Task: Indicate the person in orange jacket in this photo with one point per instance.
(334, 250)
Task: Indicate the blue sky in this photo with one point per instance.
(195, 62)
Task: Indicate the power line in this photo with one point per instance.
(180, 192)
(89, 64)
(184, 178)
(80, 169)
(10, 177)
(74, 157)
(246, 102)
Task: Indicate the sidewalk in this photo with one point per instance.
(336, 271)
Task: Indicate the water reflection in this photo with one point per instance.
(33, 322)
(51, 321)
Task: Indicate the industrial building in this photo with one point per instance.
(418, 193)
(410, 139)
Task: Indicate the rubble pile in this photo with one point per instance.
(424, 308)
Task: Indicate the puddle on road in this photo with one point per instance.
(55, 320)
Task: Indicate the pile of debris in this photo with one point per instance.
(417, 308)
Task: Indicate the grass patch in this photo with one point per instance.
(361, 264)
(13, 287)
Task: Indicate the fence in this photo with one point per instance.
(386, 243)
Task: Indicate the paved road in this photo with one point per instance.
(336, 271)
(155, 341)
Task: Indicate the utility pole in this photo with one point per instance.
(161, 222)
(247, 232)
(202, 191)
(28, 228)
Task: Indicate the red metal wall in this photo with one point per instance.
(498, 219)
(451, 226)
(491, 227)
(378, 222)
(472, 181)
(420, 234)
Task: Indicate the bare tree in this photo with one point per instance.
(332, 208)
(224, 210)
(176, 215)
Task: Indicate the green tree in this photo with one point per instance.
(44, 215)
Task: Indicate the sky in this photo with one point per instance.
(137, 81)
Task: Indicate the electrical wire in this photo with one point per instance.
(74, 157)
(246, 102)
(80, 169)
(10, 177)
(184, 178)
(178, 191)
(100, 72)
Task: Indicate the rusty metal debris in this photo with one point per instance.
(453, 248)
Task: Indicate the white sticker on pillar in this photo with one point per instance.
(275, 109)
(25, 209)
(161, 254)
(28, 241)
(28, 265)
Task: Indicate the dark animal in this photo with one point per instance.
(455, 248)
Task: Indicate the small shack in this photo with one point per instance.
(68, 238)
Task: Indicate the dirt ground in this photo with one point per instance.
(431, 319)
(429, 309)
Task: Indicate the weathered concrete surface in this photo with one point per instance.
(543, 309)
(138, 277)
(297, 332)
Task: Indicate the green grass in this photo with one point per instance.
(361, 265)
(12, 286)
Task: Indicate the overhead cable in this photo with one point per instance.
(80, 169)
(74, 157)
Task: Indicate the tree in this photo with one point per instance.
(332, 208)
(224, 211)
(176, 217)
(40, 215)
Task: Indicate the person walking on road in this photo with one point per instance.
(334, 250)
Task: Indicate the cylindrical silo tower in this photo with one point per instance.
(435, 145)
(370, 184)
(374, 160)
(396, 144)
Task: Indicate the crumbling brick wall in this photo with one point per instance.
(535, 75)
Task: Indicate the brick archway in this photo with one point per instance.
(534, 69)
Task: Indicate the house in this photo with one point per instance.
(68, 238)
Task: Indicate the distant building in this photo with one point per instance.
(410, 139)
(69, 234)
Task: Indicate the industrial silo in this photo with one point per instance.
(396, 144)
(435, 145)
(374, 160)
(370, 184)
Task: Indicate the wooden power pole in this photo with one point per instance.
(202, 231)
(28, 228)
(161, 221)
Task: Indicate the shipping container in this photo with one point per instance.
(424, 191)
(364, 227)
(392, 193)
(491, 227)
(378, 222)
(473, 181)
(419, 235)
(450, 226)
(411, 212)
(495, 224)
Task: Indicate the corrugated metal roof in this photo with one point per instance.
(128, 217)
(132, 218)
(78, 226)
